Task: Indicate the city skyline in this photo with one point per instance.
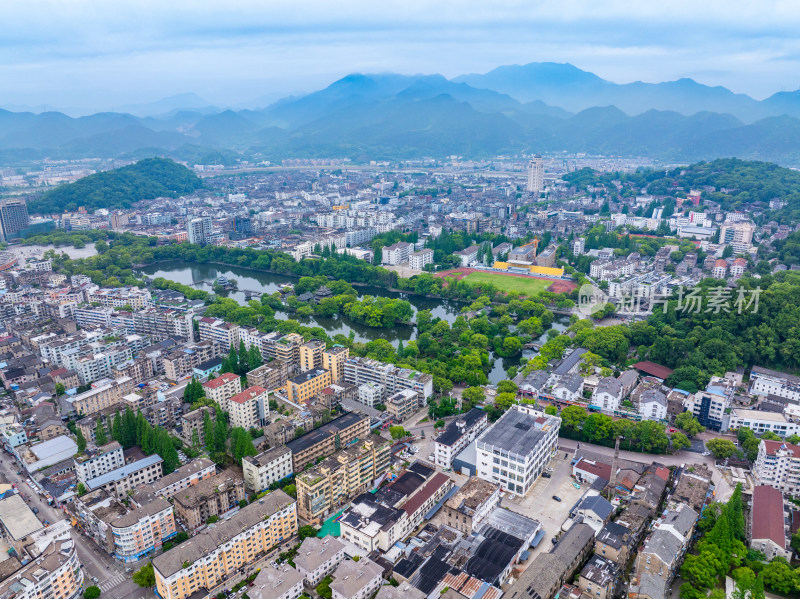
(100, 58)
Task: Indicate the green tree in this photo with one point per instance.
(91, 592)
(100, 433)
(81, 440)
(398, 432)
(551, 410)
(60, 389)
(688, 424)
(679, 441)
(324, 587)
(145, 576)
(472, 396)
(721, 448)
(81, 489)
(438, 424)
(503, 401)
(306, 531)
(507, 386)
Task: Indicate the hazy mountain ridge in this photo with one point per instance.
(389, 116)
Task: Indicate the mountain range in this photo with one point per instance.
(545, 107)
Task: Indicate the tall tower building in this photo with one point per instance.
(13, 218)
(536, 174)
(198, 230)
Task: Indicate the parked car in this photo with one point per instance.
(556, 497)
(546, 474)
(35, 510)
(554, 540)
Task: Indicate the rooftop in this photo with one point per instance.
(471, 495)
(122, 472)
(210, 539)
(17, 517)
(248, 394)
(767, 516)
(225, 377)
(315, 551)
(454, 432)
(308, 375)
(274, 581)
(515, 432)
(318, 435)
(223, 481)
(350, 577)
(267, 457)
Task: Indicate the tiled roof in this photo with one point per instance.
(225, 377)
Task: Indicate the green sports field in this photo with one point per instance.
(525, 285)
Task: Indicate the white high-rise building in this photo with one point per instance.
(198, 230)
(536, 174)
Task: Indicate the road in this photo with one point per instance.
(110, 573)
(724, 490)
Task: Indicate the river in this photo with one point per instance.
(192, 273)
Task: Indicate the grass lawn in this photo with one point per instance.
(525, 285)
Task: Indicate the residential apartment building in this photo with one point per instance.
(333, 359)
(764, 381)
(56, 574)
(317, 558)
(664, 549)
(459, 433)
(708, 406)
(216, 330)
(272, 375)
(303, 387)
(515, 450)
(311, 355)
(181, 362)
(599, 577)
(396, 253)
(356, 580)
(93, 463)
(191, 425)
(607, 396)
(338, 478)
(137, 299)
(217, 553)
(778, 465)
(261, 470)
(222, 388)
(118, 482)
(418, 260)
(358, 371)
(283, 346)
(98, 398)
(164, 323)
(277, 582)
(249, 408)
(370, 394)
(403, 404)
(468, 508)
(141, 531)
(327, 439)
(214, 496)
(768, 530)
(183, 477)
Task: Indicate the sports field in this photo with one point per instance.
(525, 285)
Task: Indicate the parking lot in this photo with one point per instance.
(539, 503)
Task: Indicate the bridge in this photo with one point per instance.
(248, 293)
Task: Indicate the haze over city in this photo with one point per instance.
(85, 56)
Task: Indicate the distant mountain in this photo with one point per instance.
(545, 107)
(119, 188)
(573, 89)
(170, 105)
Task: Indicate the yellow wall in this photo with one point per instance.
(547, 270)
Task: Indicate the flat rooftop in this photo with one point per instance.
(516, 432)
(122, 472)
(17, 517)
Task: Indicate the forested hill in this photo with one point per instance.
(119, 188)
(738, 184)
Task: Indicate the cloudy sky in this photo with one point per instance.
(103, 55)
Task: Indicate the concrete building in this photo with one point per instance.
(140, 531)
(271, 376)
(262, 470)
(403, 404)
(396, 254)
(192, 425)
(778, 465)
(333, 359)
(118, 482)
(607, 396)
(199, 230)
(213, 496)
(183, 477)
(768, 531)
(764, 381)
(217, 553)
(468, 508)
(356, 580)
(93, 463)
(599, 577)
(97, 398)
(653, 405)
(222, 388)
(55, 573)
(303, 387)
(418, 260)
(17, 522)
(536, 175)
(459, 433)
(250, 408)
(277, 582)
(340, 477)
(358, 371)
(514, 451)
(708, 406)
(13, 218)
(761, 421)
(664, 549)
(327, 439)
(370, 394)
(311, 355)
(216, 330)
(317, 558)
(468, 256)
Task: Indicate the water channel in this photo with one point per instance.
(189, 273)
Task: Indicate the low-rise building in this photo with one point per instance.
(768, 531)
(271, 376)
(270, 466)
(213, 496)
(761, 421)
(664, 549)
(778, 465)
(467, 509)
(459, 433)
(356, 580)
(96, 462)
(614, 541)
(277, 582)
(249, 408)
(403, 404)
(764, 381)
(303, 387)
(56, 573)
(599, 577)
(607, 395)
(183, 477)
(222, 388)
(209, 558)
(317, 558)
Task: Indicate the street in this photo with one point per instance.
(96, 563)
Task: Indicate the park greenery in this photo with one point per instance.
(119, 188)
(132, 429)
(646, 436)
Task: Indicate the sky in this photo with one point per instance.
(87, 56)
